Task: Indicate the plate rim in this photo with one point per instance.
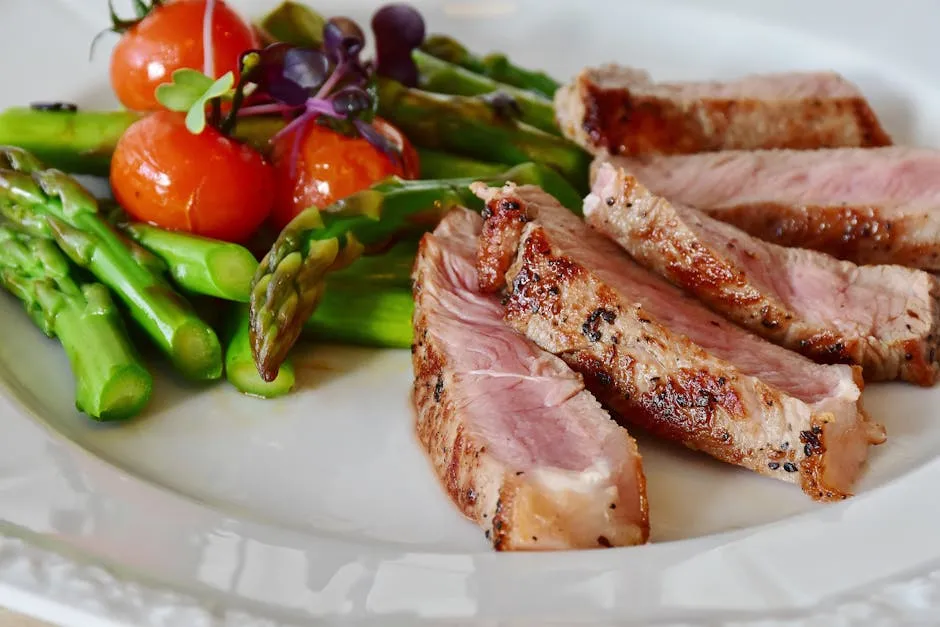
(31, 563)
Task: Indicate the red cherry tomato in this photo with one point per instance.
(170, 38)
(205, 184)
(331, 166)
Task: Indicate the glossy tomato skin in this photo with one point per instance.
(170, 38)
(331, 166)
(205, 184)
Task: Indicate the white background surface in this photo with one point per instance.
(323, 505)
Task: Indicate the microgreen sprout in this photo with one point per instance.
(330, 85)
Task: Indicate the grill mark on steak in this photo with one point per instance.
(620, 110)
(853, 233)
(691, 405)
(519, 445)
(680, 407)
(651, 375)
(883, 318)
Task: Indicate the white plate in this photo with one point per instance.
(216, 509)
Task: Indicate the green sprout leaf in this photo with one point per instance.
(190, 91)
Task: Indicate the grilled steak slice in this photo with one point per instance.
(663, 361)
(619, 110)
(869, 206)
(520, 446)
(883, 318)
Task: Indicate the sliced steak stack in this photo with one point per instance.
(869, 206)
(619, 110)
(883, 318)
(661, 360)
(518, 443)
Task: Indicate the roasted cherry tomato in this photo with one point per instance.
(331, 166)
(170, 37)
(205, 184)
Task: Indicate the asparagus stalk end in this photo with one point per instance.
(240, 369)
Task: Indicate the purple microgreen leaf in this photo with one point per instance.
(321, 106)
(342, 39)
(379, 141)
(306, 67)
(287, 74)
(399, 23)
(398, 68)
(351, 101)
(398, 29)
(287, 92)
(503, 105)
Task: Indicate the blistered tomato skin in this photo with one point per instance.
(331, 166)
(205, 184)
(170, 38)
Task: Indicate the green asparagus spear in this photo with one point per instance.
(82, 142)
(443, 165)
(200, 265)
(295, 24)
(442, 77)
(240, 367)
(368, 303)
(48, 203)
(495, 66)
(364, 314)
(385, 268)
(88, 143)
(290, 280)
(468, 126)
(110, 382)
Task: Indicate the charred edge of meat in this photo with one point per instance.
(626, 123)
(616, 120)
(455, 466)
(679, 407)
(504, 219)
(811, 467)
(920, 360)
(922, 367)
(873, 134)
(853, 233)
(827, 348)
(501, 524)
